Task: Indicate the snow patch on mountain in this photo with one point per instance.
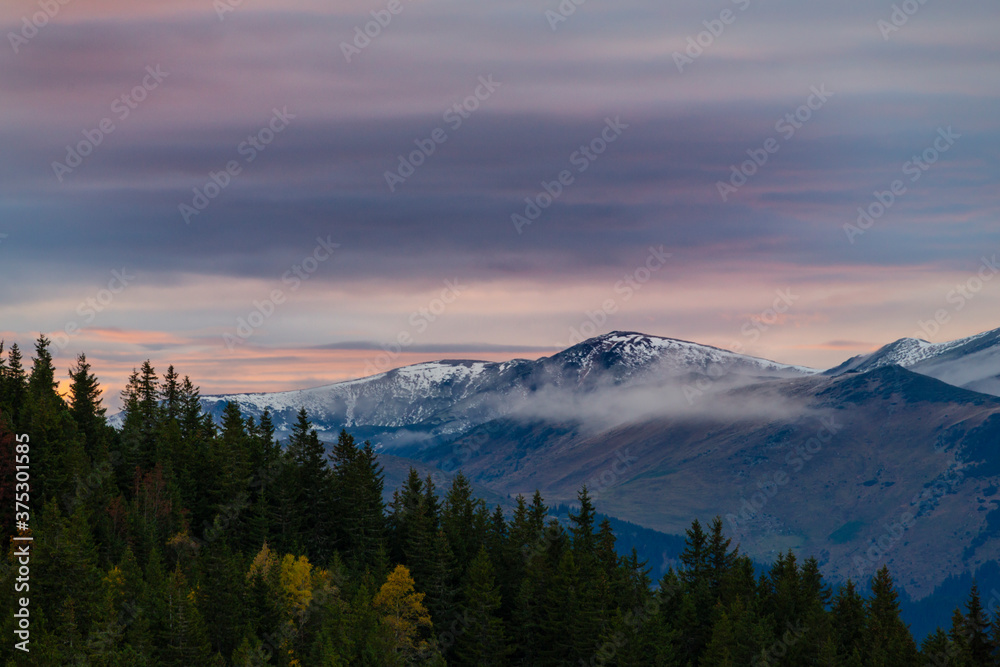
(638, 350)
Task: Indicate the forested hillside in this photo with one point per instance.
(176, 541)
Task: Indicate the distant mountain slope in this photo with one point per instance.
(828, 475)
(973, 362)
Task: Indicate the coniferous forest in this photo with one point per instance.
(179, 541)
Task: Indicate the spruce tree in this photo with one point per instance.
(563, 639)
(184, 638)
(223, 592)
(262, 461)
(414, 527)
(481, 640)
(192, 420)
(459, 521)
(343, 460)
(582, 525)
(723, 645)
(887, 639)
(230, 453)
(42, 385)
(721, 560)
(312, 486)
(695, 556)
(521, 530)
(370, 536)
(357, 502)
(532, 607)
(438, 581)
(141, 418)
(432, 502)
(695, 618)
(170, 394)
(977, 630)
(86, 409)
(781, 587)
(15, 387)
(814, 598)
(937, 649)
(57, 448)
(848, 620)
(537, 512)
(958, 639)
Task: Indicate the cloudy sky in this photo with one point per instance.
(362, 208)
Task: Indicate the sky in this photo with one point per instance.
(267, 197)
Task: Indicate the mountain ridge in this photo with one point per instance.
(430, 393)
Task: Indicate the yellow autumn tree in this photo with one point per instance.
(262, 562)
(114, 586)
(300, 583)
(299, 579)
(402, 612)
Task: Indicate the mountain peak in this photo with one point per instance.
(626, 339)
(627, 353)
(982, 350)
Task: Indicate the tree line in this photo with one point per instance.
(176, 540)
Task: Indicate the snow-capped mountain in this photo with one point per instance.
(972, 363)
(629, 353)
(444, 398)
